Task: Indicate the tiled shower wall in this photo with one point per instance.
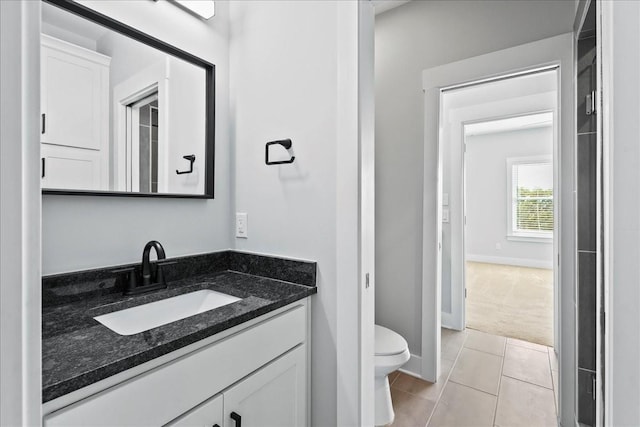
(587, 164)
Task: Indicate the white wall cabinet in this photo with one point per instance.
(75, 115)
(259, 373)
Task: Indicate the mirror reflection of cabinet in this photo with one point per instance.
(74, 102)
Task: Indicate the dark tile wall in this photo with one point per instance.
(586, 83)
(586, 163)
(586, 402)
(587, 186)
(587, 310)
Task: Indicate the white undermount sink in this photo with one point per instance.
(147, 316)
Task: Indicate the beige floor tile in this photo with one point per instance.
(451, 342)
(483, 341)
(422, 388)
(461, 406)
(478, 370)
(527, 344)
(393, 376)
(524, 404)
(553, 359)
(410, 410)
(527, 365)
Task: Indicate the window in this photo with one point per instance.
(531, 190)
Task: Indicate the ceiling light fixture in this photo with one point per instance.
(204, 9)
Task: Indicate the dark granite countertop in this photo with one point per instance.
(78, 351)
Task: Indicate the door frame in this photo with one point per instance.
(154, 78)
(456, 319)
(553, 51)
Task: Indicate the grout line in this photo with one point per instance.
(445, 382)
(528, 348)
(495, 409)
(484, 352)
(477, 389)
(553, 386)
(529, 382)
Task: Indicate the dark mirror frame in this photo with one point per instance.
(105, 21)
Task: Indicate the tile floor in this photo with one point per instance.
(486, 380)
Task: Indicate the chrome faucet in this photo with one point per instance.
(146, 264)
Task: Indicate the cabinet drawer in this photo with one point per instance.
(206, 415)
(162, 394)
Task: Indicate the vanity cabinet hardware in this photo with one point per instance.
(237, 418)
(43, 165)
(286, 143)
(191, 158)
(43, 123)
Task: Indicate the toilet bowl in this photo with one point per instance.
(391, 352)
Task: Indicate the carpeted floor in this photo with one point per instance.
(515, 302)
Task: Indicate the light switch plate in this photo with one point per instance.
(242, 225)
(445, 215)
(445, 199)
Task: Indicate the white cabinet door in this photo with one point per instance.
(208, 414)
(74, 81)
(71, 168)
(75, 114)
(274, 396)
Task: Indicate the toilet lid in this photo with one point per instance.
(388, 342)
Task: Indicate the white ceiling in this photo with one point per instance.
(384, 5)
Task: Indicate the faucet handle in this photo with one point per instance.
(160, 272)
(132, 281)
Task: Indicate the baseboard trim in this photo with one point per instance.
(519, 262)
(413, 367)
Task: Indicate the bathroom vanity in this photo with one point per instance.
(243, 361)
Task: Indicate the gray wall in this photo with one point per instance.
(409, 39)
(88, 232)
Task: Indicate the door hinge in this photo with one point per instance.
(590, 101)
(44, 121)
(593, 386)
(366, 280)
(43, 166)
(465, 292)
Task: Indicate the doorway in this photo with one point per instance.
(550, 55)
(498, 140)
(508, 230)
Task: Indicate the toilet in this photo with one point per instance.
(391, 352)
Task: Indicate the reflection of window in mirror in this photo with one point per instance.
(144, 137)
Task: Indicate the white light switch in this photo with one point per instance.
(242, 225)
(445, 215)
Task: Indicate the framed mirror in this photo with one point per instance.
(123, 113)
